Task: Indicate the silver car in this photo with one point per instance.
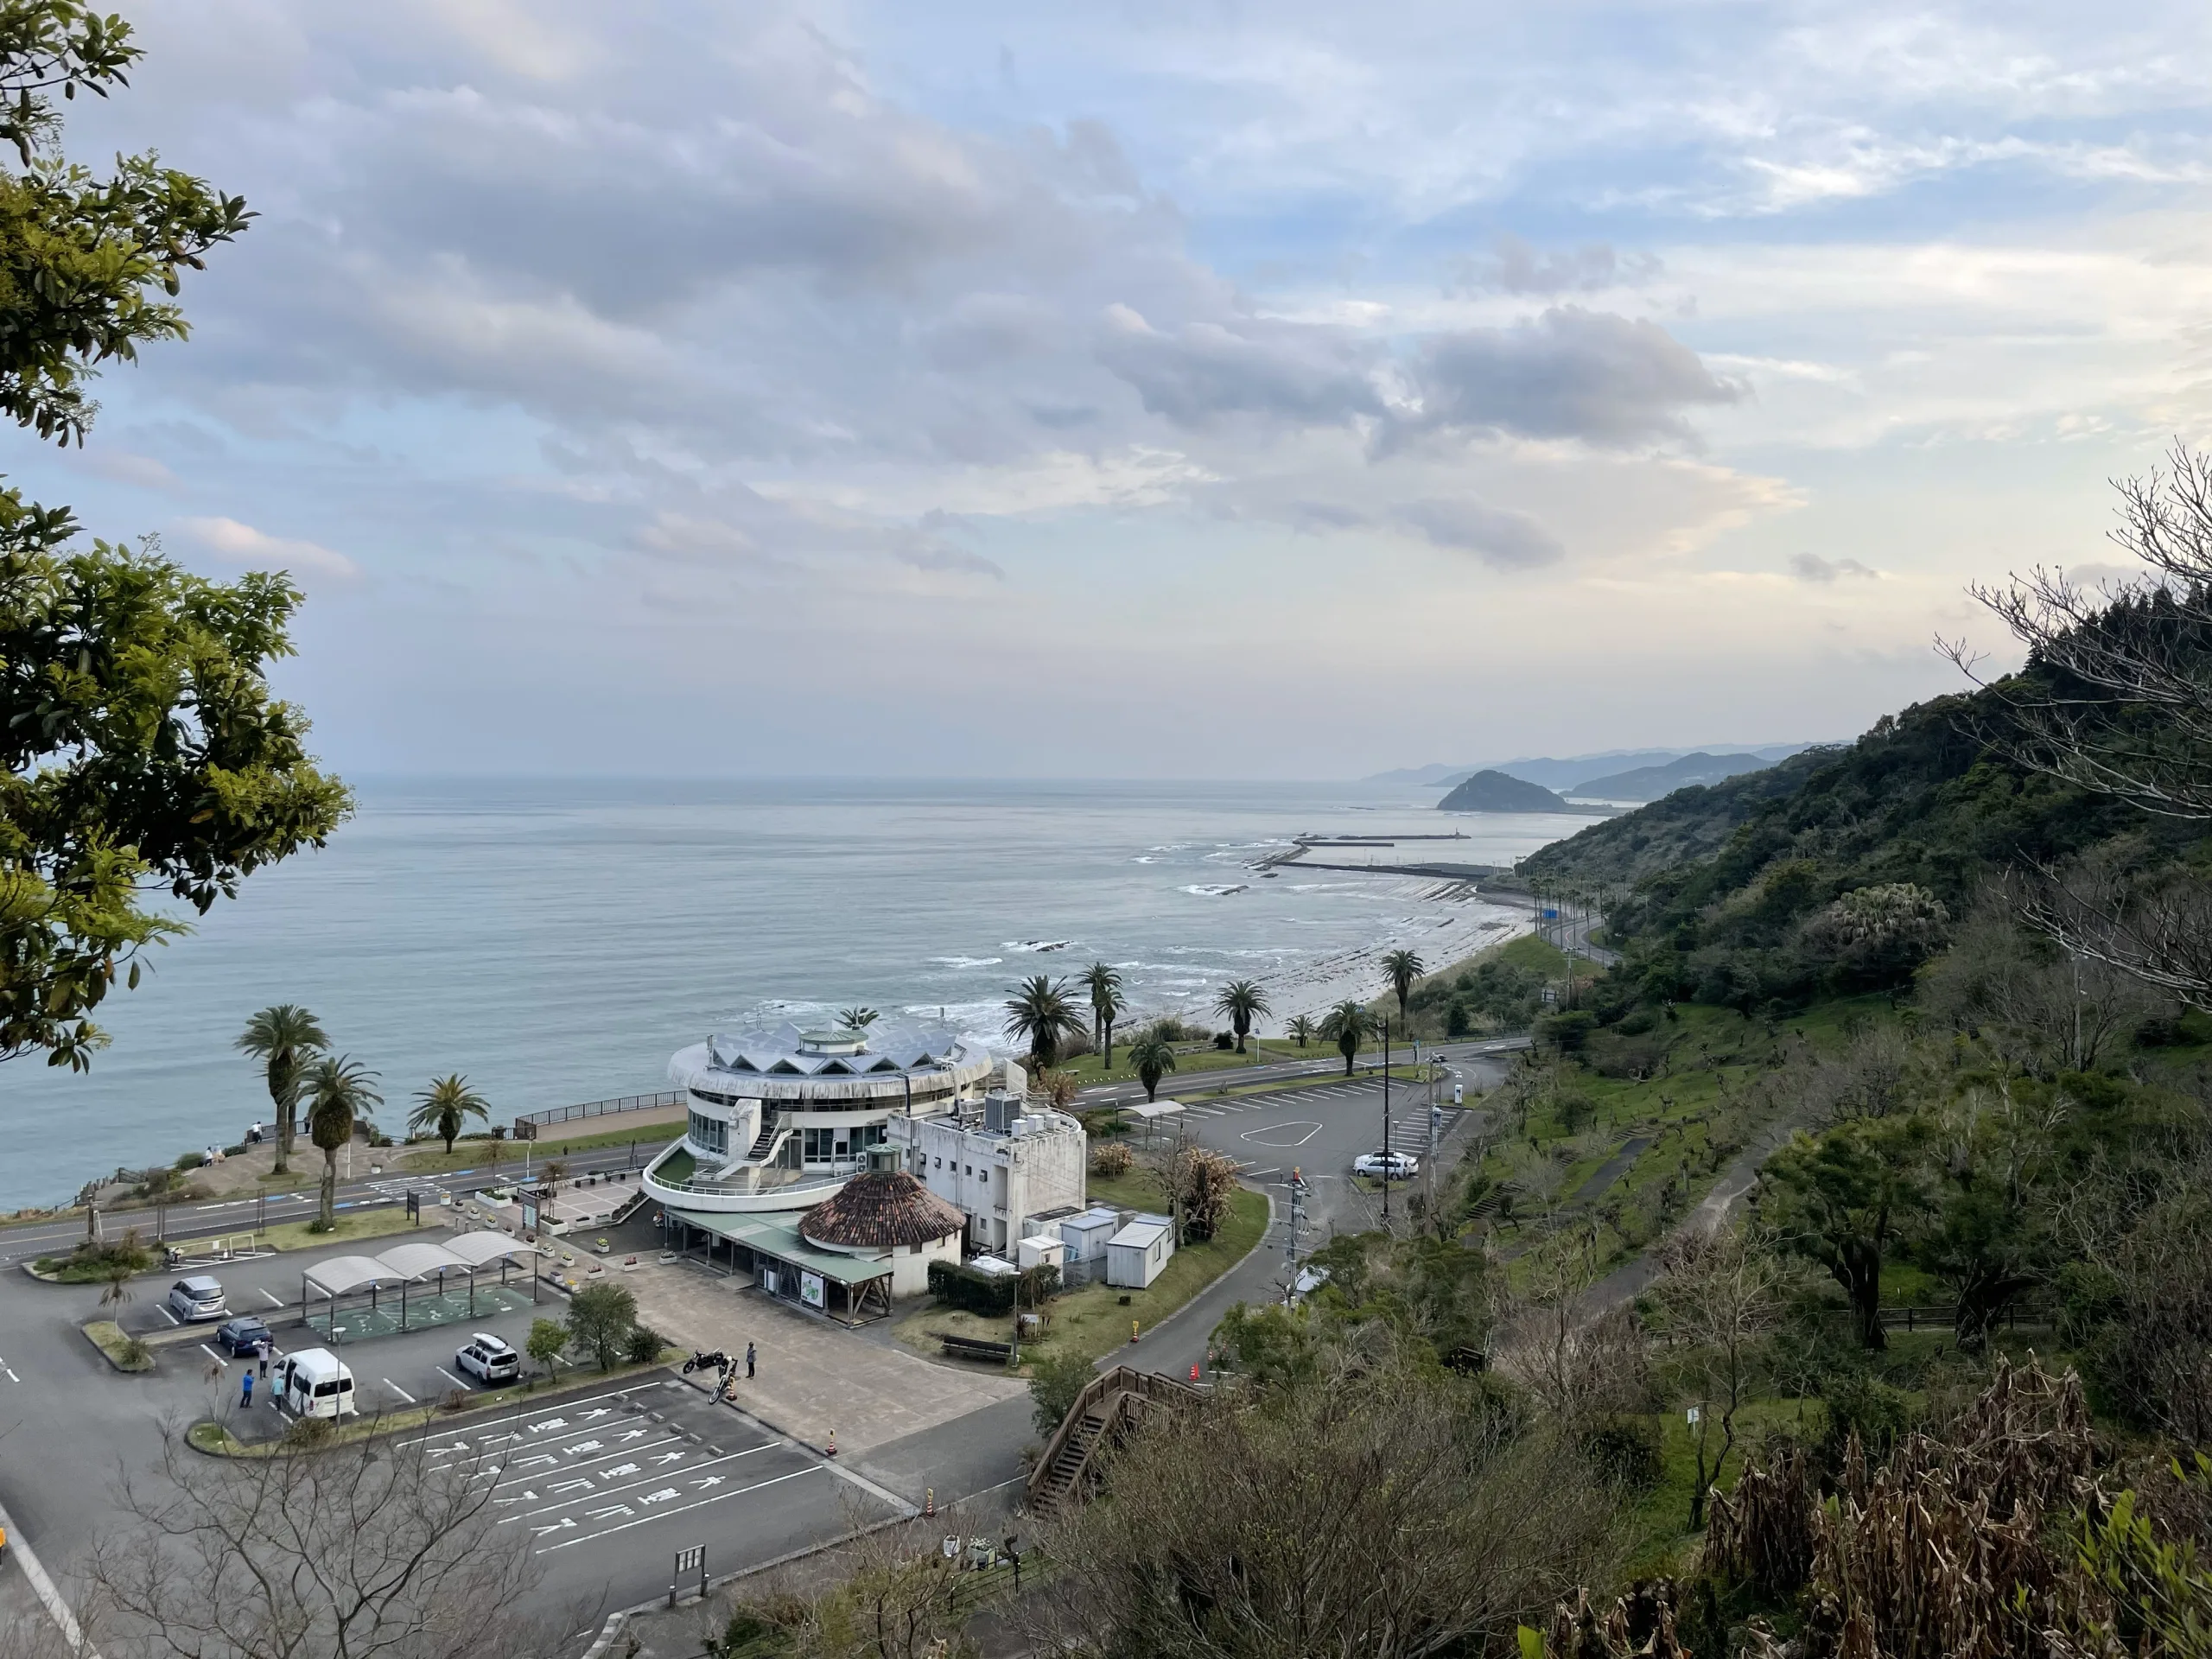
(197, 1298)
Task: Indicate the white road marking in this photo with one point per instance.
(566, 1486)
(401, 1392)
(735, 1491)
(274, 1301)
(212, 1355)
(1258, 1136)
(12, 1377)
(166, 1314)
(449, 1376)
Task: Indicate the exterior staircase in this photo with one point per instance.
(764, 1142)
(1111, 1407)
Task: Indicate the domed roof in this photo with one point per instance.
(881, 1209)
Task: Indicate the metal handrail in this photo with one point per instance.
(600, 1108)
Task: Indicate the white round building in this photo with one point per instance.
(781, 1117)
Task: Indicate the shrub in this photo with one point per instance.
(1880, 1414)
(644, 1345)
(1566, 1032)
(1054, 1382)
(957, 1285)
(1626, 1449)
(1112, 1161)
(1221, 1039)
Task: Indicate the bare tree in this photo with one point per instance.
(376, 1549)
(1581, 1361)
(2118, 702)
(890, 1593)
(1720, 1296)
(1387, 1519)
(2061, 1012)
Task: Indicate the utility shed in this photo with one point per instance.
(1136, 1255)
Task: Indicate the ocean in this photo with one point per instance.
(557, 941)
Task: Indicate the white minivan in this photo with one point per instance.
(313, 1383)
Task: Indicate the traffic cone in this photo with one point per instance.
(1194, 1370)
(833, 1443)
(929, 1501)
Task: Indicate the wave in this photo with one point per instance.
(1216, 889)
(968, 962)
(1038, 945)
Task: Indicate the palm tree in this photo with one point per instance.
(338, 1090)
(1242, 1001)
(1040, 1014)
(1153, 1056)
(1403, 968)
(857, 1018)
(445, 1107)
(1300, 1030)
(284, 1038)
(1104, 984)
(1347, 1025)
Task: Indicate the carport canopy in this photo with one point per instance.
(343, 1273)
(481, 1249)
(420, 1259)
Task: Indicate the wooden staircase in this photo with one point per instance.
(1110, 1407)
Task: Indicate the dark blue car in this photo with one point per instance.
(241, 1336)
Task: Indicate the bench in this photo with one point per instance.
(975, 1347)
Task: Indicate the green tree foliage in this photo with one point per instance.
(1348, 1025)
(1103, 982)
(1055, 1379)
(1242, 1002)
(1040, 1013)
(1154, 1056)
(600, 1320)
(284, 1038)
(1300, 1029)
(1402, 968)
(444, 1108)
(340, 1093)
(548, 1341)
(1842, 1199)
(142, 748)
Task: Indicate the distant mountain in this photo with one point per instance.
(1564, 772)
(1495, 791)
(1649, 783)
(1434, 773)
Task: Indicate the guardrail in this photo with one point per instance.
(527, 1124)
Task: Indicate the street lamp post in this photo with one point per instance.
(1386, 1122)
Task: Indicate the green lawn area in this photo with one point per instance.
(1091, 1320)
(428, 1158)
(349, 1224)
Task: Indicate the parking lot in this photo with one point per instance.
(1317, 1129)
(391, 1369)
(656, 1460)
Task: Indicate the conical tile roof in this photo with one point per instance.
(881, 1209)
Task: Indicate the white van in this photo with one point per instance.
(312, 1384)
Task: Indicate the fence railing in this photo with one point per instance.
(528, 1123)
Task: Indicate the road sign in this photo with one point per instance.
(688, 1561)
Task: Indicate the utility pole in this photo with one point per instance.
(1386, 1122)
(1297, 1229)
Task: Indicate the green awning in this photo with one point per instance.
(772, 1236)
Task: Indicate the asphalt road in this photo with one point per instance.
(1320, 1065)
(70, 1426)
(225, 1216)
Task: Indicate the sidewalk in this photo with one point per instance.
(813, 1376)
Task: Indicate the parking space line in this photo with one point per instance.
(166, 1314)
(401, 1392)
(619, 1451)
(811, 1469)
(212, 1355)
(663, 1475)
(274, 1301)
(449, 1376)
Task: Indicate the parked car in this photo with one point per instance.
(241, 1336)
(488, 1359)
(1396, 1166)
(197, 1298)
(313, 1383)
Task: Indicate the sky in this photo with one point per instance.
(1193, 389)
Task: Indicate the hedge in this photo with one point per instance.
(991, 1294)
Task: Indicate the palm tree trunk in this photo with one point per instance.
(1110, 1047)
(283, 1138)
(329, 1187)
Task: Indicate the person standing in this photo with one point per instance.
(264, 1345)
(246, 1392)
(748, 1361)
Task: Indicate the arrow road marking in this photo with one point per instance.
(671, 1457)
(563, 1524)
(618, 1509)
(551, 1422)
(711, 1480)
(567, 1486)
(734, 1491)
(620, 1468)
(602, 1411)
(666, 1495)
(542, 1458)
(586, 1446)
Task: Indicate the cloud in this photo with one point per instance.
(1498, 536)
(237, 543)
(1811, 567)
(1570, 374)
(1517, 268)
(1205, 370)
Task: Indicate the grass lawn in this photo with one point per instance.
(429, 1158)
(350, 1224)
(1091, 1321)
